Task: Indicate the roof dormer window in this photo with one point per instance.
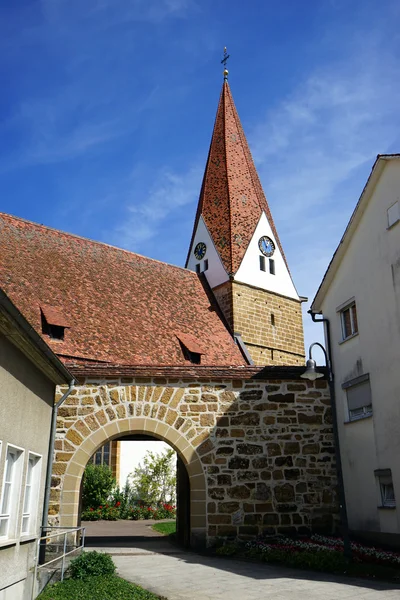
(190, 347)
(53, 322)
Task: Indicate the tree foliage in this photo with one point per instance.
(154, 481)
(98, 484)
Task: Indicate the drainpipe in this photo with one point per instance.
(341, 493)
(46, 502)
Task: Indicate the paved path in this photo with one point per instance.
(188, 576)
(154, 563)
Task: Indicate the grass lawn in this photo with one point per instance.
(96, 588)
(165, 528)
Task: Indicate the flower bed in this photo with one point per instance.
(318, 543)
(114, 512)
(320, 553)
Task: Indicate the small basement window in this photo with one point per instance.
(53, 322)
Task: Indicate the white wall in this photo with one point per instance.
(216, 273)
(370, 271)
(249, 271)
(132, 453)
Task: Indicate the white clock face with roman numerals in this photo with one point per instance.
(266, 245)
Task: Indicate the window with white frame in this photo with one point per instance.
(386, 488)
(348, 318)
(9, 505)
(393, 214)
(359, 400)
(32, 483)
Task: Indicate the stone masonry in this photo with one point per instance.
(270, 325)
(259, 453)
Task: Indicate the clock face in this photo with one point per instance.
(266, 245)
(200, 250)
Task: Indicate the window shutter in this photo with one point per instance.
(359, 396)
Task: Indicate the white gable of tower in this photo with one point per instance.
(250, 272)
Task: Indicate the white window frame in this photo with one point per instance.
(341, 311)
(13, 505)
(362, 411)
(31, 494)
(386, 488)
(392, 218)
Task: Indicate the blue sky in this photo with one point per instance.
(107, 109)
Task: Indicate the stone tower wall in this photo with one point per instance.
(270, 325)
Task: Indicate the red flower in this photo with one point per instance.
(100, 507)
(91, 509)
(118, 504)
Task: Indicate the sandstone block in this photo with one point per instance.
(282, 398)
(309, 419)
(250, 449)
(224, 480)
(263, 492)
(228, 507)
(216, 493)
(74, 437)
(101, 417)
(284, 493)
(219, 519)
(249, 419)
(238, 463)
(238, 492)
(271, 519)
(273, 449)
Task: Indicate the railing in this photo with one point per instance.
(73, 537)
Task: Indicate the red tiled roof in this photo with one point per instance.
(122, 308)
(54, 316)
(231, 198)
(186, 373)
(191, 343)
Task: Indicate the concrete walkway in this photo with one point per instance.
(188, 576)
(144, 557)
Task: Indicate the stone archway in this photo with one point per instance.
(69, 509)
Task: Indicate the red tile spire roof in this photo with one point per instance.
(120, 308)
(231, 198)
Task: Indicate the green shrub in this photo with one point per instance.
(96, 588)
(90, 564)
(227, 549)
(98, 484)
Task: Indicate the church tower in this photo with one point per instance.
(236, 245)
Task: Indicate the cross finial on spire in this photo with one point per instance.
(224, 61)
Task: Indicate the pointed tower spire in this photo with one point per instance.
(231, 198)
(236, 244)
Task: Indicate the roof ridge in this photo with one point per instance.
(80, 237)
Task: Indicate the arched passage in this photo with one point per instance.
(69, 512)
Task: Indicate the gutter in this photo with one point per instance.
(340, 481)
(49, 471)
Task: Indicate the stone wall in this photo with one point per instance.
(259, 453)
(270, 325)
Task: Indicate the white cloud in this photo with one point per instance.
(170, 192)
(314, 152)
